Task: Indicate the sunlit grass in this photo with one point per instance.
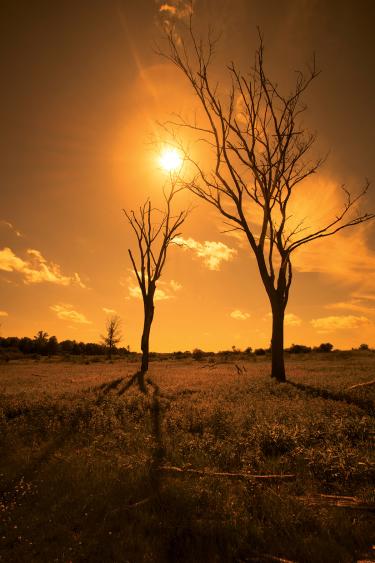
(75, 469)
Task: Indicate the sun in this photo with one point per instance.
(170, 160)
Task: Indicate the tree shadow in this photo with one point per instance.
(366, 405)
(49, 450)
(151, 390)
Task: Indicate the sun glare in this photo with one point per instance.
(170, 160)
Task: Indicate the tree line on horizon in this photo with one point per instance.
(44, 345)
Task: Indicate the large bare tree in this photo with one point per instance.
(260, 153)
(155, 230)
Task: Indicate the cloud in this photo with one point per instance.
(292, 320)
(239, 315)
(176, 9)
(11, 227)
(167, 8)
(36, 269)
(213, 253)
(66, 312)
(163, 293)
(344, 322)
(160, 294)
(346, 256)
(175, 285)
(109, 311)
(3, 314)
(357, 303)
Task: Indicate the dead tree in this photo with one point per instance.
(113, 334)
(260, 153)
(155, 230)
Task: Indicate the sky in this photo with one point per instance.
(83, 91)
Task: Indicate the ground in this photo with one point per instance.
(89, 470)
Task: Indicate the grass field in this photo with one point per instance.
(88, 472)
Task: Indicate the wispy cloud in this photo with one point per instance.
(239, 315)
(109, 311)
(3, 314)
(357, 303)
(342, 322)
(11, 227)
(180, 9)
(213, 253)
(291, 319)
(36, 269)
(346, 256)
(66, 312)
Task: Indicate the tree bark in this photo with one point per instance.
(277, 343)
(145, 342)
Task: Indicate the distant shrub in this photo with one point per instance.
(363, 347)
(181, 355)
(260, 352)
(248, 350)
(197, 354)
(324, 347)
(299, 349)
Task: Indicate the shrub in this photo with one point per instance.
(299, 349)
(260, 352)
(324, 347)
(197, 354)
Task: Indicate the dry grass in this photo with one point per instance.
(76, 470)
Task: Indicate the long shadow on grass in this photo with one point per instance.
(365, 404)
(28, 473)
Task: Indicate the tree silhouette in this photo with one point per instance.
(113, 334)
(155, 230)
(260, 154)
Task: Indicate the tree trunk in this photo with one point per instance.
(277, 344)
(145, 346)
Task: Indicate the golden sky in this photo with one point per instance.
(82, 91)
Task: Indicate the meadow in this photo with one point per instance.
(218, 463)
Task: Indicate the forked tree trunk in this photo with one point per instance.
(277, 343)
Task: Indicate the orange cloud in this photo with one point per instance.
(331, 324)
(36, 269)
(161, 294)
(3, 314)
(292, 320)
(213, 253)
(358, 304)
(66, 312)
(109, 311)
(239, 315)
(180, 9)
(167, 8)
(11, 227)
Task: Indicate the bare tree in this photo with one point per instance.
(155, 230)
(113, 334)
(260, 154)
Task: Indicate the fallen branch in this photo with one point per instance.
(366, 384)
(263, 558)
(204, 473)
(337, 501)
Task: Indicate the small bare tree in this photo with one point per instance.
(260, 154)
(113, 334)
(155, 230)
